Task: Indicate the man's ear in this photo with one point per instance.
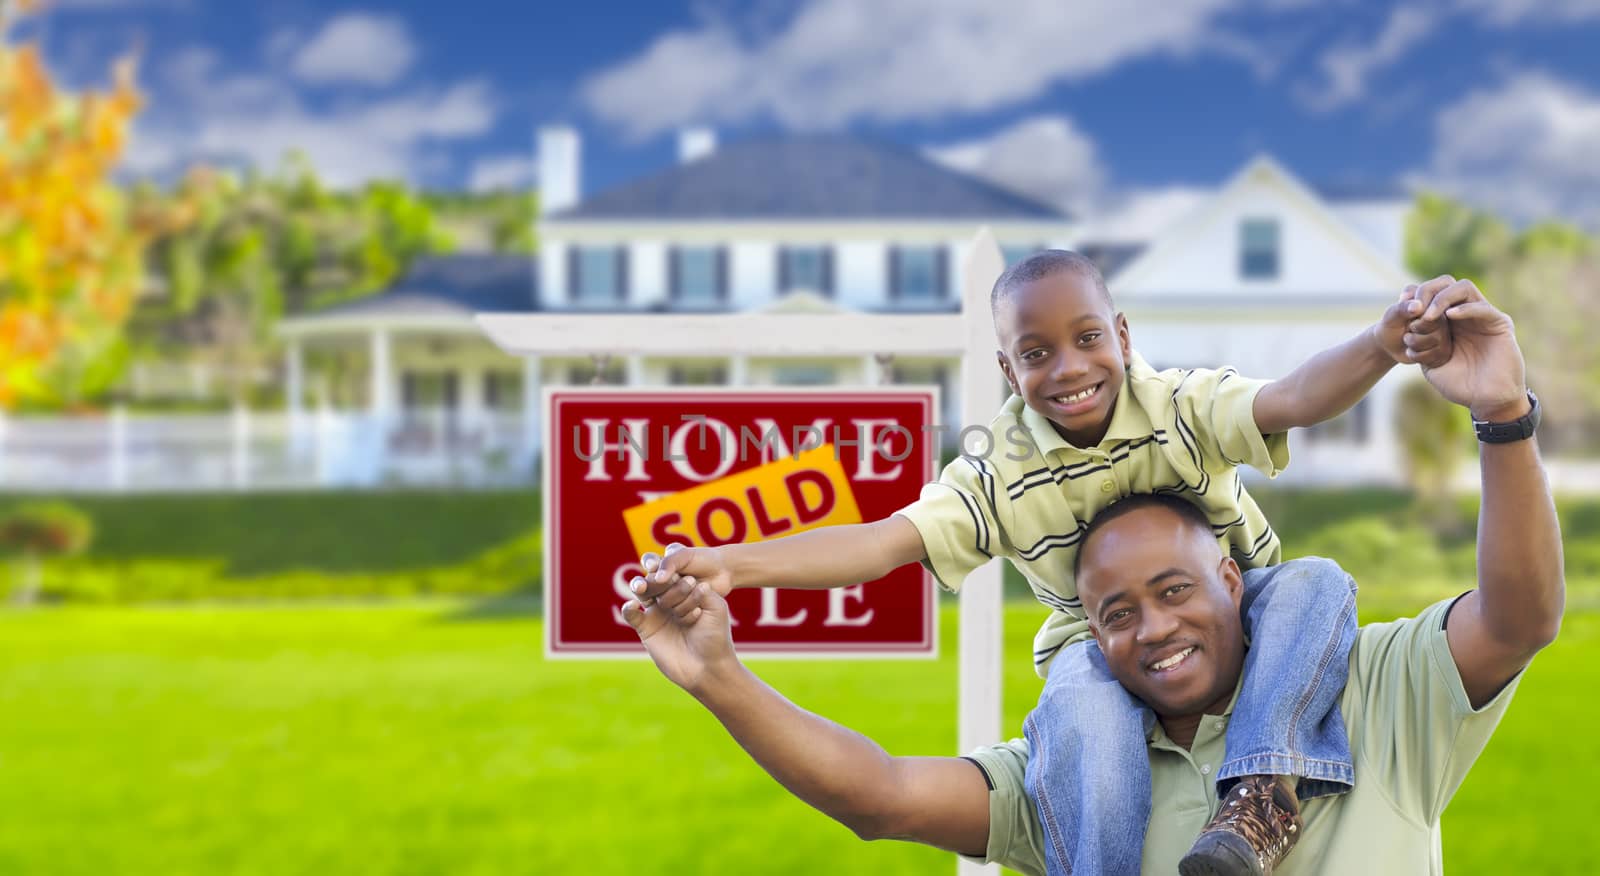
(1232, 579)
(1005, 368)
(1124, 337)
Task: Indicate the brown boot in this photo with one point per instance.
(1254, 829)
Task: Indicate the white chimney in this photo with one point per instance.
(695, 143)
(560, 168)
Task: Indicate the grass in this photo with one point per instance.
(432, 737)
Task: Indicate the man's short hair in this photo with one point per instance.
(1047, 263)
(1187, 511)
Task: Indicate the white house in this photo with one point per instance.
(1265, 272)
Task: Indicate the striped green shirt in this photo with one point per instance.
(1030, 498)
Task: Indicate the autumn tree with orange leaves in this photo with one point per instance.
(70, 253)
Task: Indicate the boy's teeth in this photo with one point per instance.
(1174, 660)
(1077, 396)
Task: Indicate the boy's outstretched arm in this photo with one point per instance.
(1332, 381)
(834, 556)
(939, 801)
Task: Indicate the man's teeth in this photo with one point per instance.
(1077, 396)
(1174, 660)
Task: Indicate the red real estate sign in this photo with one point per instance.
(629, 471)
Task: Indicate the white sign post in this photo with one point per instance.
(968, 335)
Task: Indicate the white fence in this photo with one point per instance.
(245, 449)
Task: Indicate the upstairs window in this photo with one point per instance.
(597, 274)
(808, 268)
(917, 273)
(1258, 249)
(699, 274)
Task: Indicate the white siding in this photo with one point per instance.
(1314, 258)
(647, 273)
(553, 273)
(752, 274)
(1381, 223)
(860, 273)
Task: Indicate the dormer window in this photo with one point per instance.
(1259, 249)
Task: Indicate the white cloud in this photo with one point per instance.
(252, 118)
(840, 60)
(1044, 157)
(356, 47)
(1525, 148)
(1510, 12)
(1347, 67)
(502, 172)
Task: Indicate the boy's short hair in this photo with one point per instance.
(1047, 263)
(1187, 511)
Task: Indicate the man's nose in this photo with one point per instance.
(1155, 626)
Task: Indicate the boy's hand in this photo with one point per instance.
(1409, 333)
(661, 573)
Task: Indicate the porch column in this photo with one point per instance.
(532, 414)
(380, 407)
(380, 395)
(294, 395)
(633, 371)
(738, 370)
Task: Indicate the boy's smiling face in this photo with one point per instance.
(1065, 351)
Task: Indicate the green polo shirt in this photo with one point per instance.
(1413, 734)
(1030, 498)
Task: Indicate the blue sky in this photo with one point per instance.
(1102, 105)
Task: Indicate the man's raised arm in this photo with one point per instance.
(1516, 610)
(939, 801)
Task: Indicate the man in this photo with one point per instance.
(1424, 693)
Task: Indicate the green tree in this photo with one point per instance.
(1547, 277)
(265, 245)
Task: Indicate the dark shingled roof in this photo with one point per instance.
(464, 284)
(811, 178)
(1361, 190)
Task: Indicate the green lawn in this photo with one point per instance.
(427, 737)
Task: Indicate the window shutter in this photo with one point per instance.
(674, 273)
(722, 273)
(894, 272)
(941, 272)
(620, 293)
(574, 282)
(783, 269)
(827, 271)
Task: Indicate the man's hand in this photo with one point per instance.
(1407, 336)
(662, 573)
(1485, 372)
(686, 631)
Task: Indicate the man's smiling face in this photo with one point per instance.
(1065, 351)
(1163, 604)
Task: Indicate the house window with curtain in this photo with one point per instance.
(698, 274)
(805, 268)
(917, 273)
(502, 390)
(697, 374)
(598, 274)
(1259, 249)
(1014, 253)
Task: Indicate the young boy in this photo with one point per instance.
(1095, 423)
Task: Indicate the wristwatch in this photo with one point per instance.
(1519, 429)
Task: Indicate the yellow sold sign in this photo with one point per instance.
(782, 497)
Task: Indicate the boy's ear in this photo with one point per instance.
(1005, 368)
(1124, 338)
